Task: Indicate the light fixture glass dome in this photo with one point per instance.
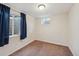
(41, 6)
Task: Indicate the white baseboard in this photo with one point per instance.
(21, 47)
(71, 50)
(53, 42)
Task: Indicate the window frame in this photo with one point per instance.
(13, 34)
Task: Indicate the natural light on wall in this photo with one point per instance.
(45, 20)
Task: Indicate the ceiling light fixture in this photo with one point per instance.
(41, 6)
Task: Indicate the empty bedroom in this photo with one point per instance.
(39, 29)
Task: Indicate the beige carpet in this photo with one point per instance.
(39, 48)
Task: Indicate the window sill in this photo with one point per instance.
(13, 36)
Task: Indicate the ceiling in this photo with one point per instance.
(50, 10)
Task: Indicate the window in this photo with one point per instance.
(17, 25)
(14, 26)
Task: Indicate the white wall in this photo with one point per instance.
(74, 29)
(61, 30)
(55, 32)
(15, 43)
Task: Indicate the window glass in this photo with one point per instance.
(17, 25)
(10, 25)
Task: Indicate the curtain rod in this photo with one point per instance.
(12, 7)
(16, 10)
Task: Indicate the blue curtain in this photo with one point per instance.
(4, 24)
(23, 27)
